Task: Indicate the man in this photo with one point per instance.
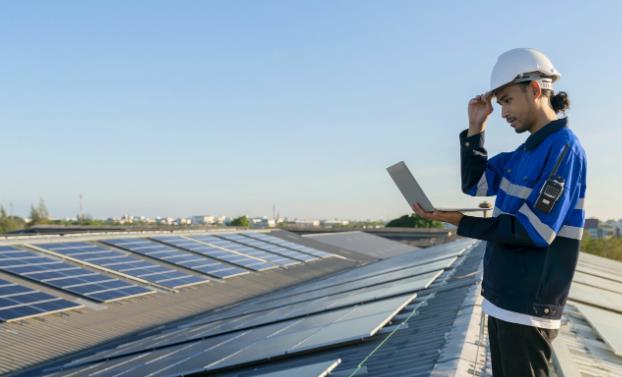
(536, 228)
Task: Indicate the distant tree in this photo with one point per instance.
(413, 221)
(43, 210)
(10, 223)
(605, 247)
(35, 218)
(241, 221)
(39, 214)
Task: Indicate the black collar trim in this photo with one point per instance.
(535, 139)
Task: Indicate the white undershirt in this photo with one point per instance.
(520, 318)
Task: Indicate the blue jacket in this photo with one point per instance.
(531, 254)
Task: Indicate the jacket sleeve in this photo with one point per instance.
(480, 176)
(502, 229)
(530, 226)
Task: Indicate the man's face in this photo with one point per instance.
(516, 107)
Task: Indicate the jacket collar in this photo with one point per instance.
(536, 138)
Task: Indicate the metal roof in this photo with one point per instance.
(416, 333)
(590, 339)
(442, 332)
(29, 342)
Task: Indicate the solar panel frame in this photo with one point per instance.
(177, 256)
(246, 250)
(268, 247)
(18, 302)
(123, 263)
(218, 253)
(62, 275)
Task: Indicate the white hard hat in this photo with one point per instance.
(520, 65)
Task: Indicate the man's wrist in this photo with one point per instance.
(475, 130)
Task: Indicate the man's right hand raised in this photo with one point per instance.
(480, 108)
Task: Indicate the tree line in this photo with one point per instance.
(38, 215)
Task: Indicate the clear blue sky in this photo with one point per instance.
(186, 107)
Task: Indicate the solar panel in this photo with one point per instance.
(125, 263)
(294, 246)
(607, 324)
(338, 296)
(250, 251)
(430, 259)
(177, 257)
(365, 280)
(418, 257)
(224, 255)
(58, 274)
(19, 302)
(244, 347)
(280, 250)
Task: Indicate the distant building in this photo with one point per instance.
(591, 223)
(165, 220)
(203, 220)
(335, 222)
(182, 221)
(302, 222)
(600, 229)
(262, 222)
(222, 220)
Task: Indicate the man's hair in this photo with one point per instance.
(559, 102)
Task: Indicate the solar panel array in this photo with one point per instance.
(247, 250)
(261, 343)
(279, 250)
(177, 257)
(124, 263)
(68, 277)
(73, 267)
(384, 278)
(225, 255)
(291, 245)
(18, 301)
(313, 317)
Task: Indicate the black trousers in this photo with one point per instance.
(519, 350)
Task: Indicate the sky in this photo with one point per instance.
(162, 108)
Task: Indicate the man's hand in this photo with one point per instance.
(480, 108)
(446, 217)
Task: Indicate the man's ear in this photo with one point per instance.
(535, 89)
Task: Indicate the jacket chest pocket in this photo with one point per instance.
(528, 173)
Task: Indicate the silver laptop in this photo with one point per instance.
(413, 193)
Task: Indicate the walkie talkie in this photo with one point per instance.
(553, 188)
